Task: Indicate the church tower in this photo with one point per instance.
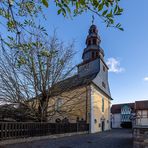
(93, 60)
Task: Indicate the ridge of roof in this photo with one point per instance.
(122, 104)
(116, 108)
(69, 84)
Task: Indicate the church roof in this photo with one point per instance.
(71, 83)
(75, 82)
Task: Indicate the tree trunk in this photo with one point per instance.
(43, 109)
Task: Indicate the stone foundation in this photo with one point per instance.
(140, 137)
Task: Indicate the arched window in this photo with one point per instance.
(89, 42)
(58, 104)
(102, 104)
(94, 42)
(97, 54)
(93, 55)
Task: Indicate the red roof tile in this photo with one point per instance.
(141, 105)
(117, 107)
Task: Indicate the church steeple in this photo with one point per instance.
(93, 49)
(93, 61)
(93, 54)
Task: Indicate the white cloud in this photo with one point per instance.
(146, 79)
(114, 65)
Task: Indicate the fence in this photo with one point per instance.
(12, 130)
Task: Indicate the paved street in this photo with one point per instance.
(117, 138)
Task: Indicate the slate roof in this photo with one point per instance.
(117, 107)
(141, 105)
(71, 83)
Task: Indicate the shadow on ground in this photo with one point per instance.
(116, 138)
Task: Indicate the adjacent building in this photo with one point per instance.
(121, 115)
(141, 112)
(129, 114)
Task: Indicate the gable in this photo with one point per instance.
(101, 79)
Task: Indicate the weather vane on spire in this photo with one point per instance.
(93, 19)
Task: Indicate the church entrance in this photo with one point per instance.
(103, 126)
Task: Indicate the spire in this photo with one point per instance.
(93, 19)
(93, 49)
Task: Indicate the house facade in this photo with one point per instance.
(121, 115)
(129, 114)
(141, 112)
(85, 96)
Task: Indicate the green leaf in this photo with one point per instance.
(121, 10)
(110, 14)
(104, 12)
(115, 9)
(77, 5)
(100, 7)
(121, 29)
(11, 24)
(45, 3)
(107, 4)
(118, 13)
(95, 3)
(59, 11)
(68, 9)
(63, 11)
(111, 21)
(11, 38)
(82, 2)
(118, 25)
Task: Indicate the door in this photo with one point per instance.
(103, 125)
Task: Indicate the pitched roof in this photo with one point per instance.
(117, 107)
(141, 105)
(71, 83)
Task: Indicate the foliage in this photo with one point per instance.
(29, 64)
(38, 65)
(18, 15)
(107, 10)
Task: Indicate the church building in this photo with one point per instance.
(86, 95)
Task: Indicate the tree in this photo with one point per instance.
(19, 16)
(31, 65)
(105, 9)
(36, 68)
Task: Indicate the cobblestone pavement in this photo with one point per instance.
(117, 138)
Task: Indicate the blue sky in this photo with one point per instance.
(127, 50)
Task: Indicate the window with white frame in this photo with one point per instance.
(102, 104)
(58, 104)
